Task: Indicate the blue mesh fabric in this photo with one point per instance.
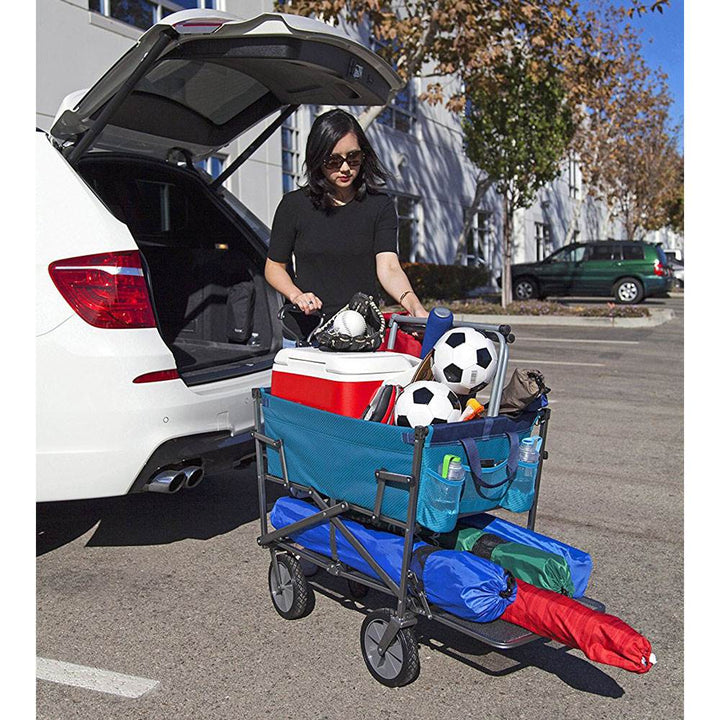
(338, 456)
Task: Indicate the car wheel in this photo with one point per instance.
(525, 289)
(628, 291)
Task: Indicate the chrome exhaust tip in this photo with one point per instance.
(193, 475)
(166, 481)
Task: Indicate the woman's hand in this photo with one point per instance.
(395, 282)
(308, 302)
(278, 277)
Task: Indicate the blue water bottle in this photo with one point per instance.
(439, 321)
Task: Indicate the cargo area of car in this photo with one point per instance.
(205, 267)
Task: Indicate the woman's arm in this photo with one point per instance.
(395, 282)
(277, 276)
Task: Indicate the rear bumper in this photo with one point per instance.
(655, 285)
(215, 451)
(97, 431)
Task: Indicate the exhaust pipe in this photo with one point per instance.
(167, 481)
(193, 475)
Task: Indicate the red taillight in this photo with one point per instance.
(107, 291)
(659, 268)
(157, 376)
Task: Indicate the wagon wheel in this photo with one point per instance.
(292, 597)
(400, 665)
(357, 590)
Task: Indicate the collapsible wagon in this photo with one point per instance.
(365, 497)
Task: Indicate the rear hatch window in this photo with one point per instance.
(634, 251)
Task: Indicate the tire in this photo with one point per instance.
(525, 288)
(401, 663)
(628, 291)
(291, 595)
(357, 590)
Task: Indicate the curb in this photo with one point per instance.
(658, 316)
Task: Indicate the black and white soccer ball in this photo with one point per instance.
(465, 360)
(426, 403)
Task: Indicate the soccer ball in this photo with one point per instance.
(426, 403)
(465, 360)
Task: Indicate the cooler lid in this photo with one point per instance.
(311, 361)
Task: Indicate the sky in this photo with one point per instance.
(663, 44)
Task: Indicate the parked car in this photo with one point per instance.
(628, 271)
(154, 321)
(677, 268)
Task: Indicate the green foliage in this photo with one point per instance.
(541, 308)
(518, 127)
(445, 281)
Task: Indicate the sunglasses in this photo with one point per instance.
(335, 162)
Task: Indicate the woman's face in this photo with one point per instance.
(347, 152)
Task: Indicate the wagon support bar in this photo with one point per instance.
(304, 524)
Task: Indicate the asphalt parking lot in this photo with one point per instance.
(162, 601)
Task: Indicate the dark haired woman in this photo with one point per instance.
(339, 228)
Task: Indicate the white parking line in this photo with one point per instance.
(555, 362)
(575, 340)
(90, 678)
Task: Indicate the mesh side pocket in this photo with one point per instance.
(438, 502)
(521, 494)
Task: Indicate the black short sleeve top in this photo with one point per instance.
(334, 249)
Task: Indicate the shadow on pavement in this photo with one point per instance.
(576, 672)
(218, 505)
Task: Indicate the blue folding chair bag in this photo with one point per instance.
(466, 585)
(339, 455)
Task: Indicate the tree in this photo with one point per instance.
(517, 130)
(626, 146)
(592, 55)
(448, 39)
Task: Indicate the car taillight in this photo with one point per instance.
(659, 268)
(107, 290)
(158, 376)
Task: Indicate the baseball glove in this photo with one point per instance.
(326, 337)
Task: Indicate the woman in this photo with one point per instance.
(341, 230)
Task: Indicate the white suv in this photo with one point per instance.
(154, 320)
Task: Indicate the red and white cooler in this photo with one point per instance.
(339, 382)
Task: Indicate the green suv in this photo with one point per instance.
(629, 271)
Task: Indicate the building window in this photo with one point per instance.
(478, 241)
(400, 113)
(290, 144)
(213, 165)
(144, 13)
(408, 209)
(543, 240)
(574, 178)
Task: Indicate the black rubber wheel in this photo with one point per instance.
(628, 291)
(292, 597)
(357, 590)
(525, 288)
(400, 665)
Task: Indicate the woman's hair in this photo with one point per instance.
(327, 130)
